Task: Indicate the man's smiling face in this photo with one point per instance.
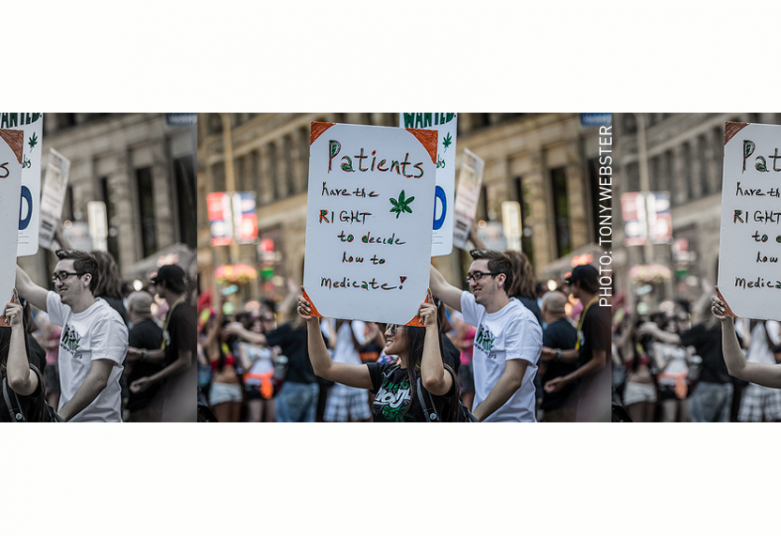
(484, 289)
(71, 288)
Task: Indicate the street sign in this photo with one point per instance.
(370, 198)
(595, 120)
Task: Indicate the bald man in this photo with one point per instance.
(559, 334)
(146, 335)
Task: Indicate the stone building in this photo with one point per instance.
(546, 162)
(143, 169)
(685, 158)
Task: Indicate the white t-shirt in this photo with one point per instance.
(345, 351)
(97, 333)
(511, 333)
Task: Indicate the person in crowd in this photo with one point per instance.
(765, 374)
(712, 398)
(177, 352)
(93, 344)
(508, 341)
(259, 362)
(591, 349)
(420, 355)
(297, 399)
(346, 403)
(559, 333)
(639, 394)
(464, 341)
(672, 362)
(109, 283)
(522, 287)
(21, 376)
(145, 335)
(50, 342)
(760, 339)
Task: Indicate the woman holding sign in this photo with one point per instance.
(21, 382)
(759, 373)
(396, 385)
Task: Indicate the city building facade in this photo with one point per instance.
(684, 157)
(545, 162)
(142, 167)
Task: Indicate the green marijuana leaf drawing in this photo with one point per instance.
(402, 205)
(447, 141)
(33, 141)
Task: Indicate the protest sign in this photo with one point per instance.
(11, 165)
(31, 125)
(55, 186)
(750, 243)
(370, 199)
(445, 125)
(468, 193)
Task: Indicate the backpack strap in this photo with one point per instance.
(15, 410)
(429, 410)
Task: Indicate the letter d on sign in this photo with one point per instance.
(26, 196)
(439, 193)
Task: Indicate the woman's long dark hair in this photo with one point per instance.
(416, 336)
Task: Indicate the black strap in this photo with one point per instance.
(15, 410)
(429, 412)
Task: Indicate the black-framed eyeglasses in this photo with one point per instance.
(62, 276)
(477, 276)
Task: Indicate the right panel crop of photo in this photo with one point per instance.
(696, 245)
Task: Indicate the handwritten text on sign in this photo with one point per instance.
(446, 125)
(750, 247)
(11, 165)
(29, 213)
(368, 230)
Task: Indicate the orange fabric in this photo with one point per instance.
(266, 387)
(680, 383)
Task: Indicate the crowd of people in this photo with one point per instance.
(686, 362)
(506, 349)
(96, 350)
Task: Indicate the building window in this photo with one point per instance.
(523, 197)
(595, 194)
(146, 211)
(561, 211)
(184, 177)
(112, 241)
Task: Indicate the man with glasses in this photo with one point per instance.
(508, 340)
(93, 343)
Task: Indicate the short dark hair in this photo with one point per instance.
(83, 263)
(498, 263)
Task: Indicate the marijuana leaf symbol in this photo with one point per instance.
(33, 141)
(402, 205)
(447, 141)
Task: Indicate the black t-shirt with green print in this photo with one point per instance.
(390, 385)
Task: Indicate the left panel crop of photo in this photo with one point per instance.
(99, 283)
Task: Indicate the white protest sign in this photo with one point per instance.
(55, 186)
(445, 125)
(468, 193)
(32, 127)
(98, 225)
(750, 246)
(370, 197)
(11, 162)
